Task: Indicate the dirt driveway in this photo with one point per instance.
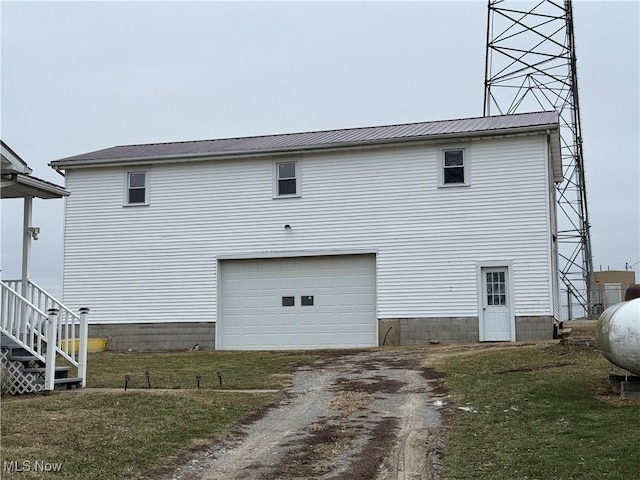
(366, 415)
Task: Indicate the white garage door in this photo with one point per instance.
(301, 302)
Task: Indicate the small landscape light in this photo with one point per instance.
(198, 379)
(126, 381)
(219, 375)
(147, 375)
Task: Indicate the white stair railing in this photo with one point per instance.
(29, 327)
(71, 327)
(23, 322)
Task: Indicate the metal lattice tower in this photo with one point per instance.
(531, 66)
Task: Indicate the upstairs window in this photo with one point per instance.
(137, 191)
(455, 168)
(287, 181)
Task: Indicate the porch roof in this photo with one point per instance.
(11, 161)
(20, 186)
(17, 181)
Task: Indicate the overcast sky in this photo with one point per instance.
(82, 76)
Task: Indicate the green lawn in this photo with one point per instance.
(240, 370)
(115, 435)
(107, 435)
(539, 413)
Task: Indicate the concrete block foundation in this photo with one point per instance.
(388, 332)
(422, 331)
(391, 332)
(534, 328)
(155, 336)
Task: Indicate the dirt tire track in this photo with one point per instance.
(393, 432)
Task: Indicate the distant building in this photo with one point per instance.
(610, 287)
(397, 234)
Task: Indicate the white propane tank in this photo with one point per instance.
(618, 335)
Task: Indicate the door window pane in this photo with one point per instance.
(288, 301)
(496, 288)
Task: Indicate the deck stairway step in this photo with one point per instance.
(61, 372)
(32, 365)
(69, 383)
(19, 354)
(8, 342)
(25, 358)
(43, 344)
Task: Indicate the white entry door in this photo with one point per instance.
(496, 317)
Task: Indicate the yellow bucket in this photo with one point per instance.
(93, 345)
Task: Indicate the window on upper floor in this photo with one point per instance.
(287, 179)
(137, 188)
(455, 168)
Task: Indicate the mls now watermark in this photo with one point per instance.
(31, 466)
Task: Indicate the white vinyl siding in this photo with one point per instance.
(159, 263)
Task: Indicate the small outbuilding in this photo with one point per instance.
(610, 286)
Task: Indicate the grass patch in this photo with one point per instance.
(115, 435)
(240, 370)
(540, 413)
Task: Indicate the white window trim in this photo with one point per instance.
(466, 163)
(298, 163)
(147, 182)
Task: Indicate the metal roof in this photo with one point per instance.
(292, 142)
(29, 186)
(17, 181)
(11, 161)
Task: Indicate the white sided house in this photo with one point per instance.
(399, 234)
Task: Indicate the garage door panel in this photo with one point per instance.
(365, 299)
(282, 284)
(343, 313)
(309, 321)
